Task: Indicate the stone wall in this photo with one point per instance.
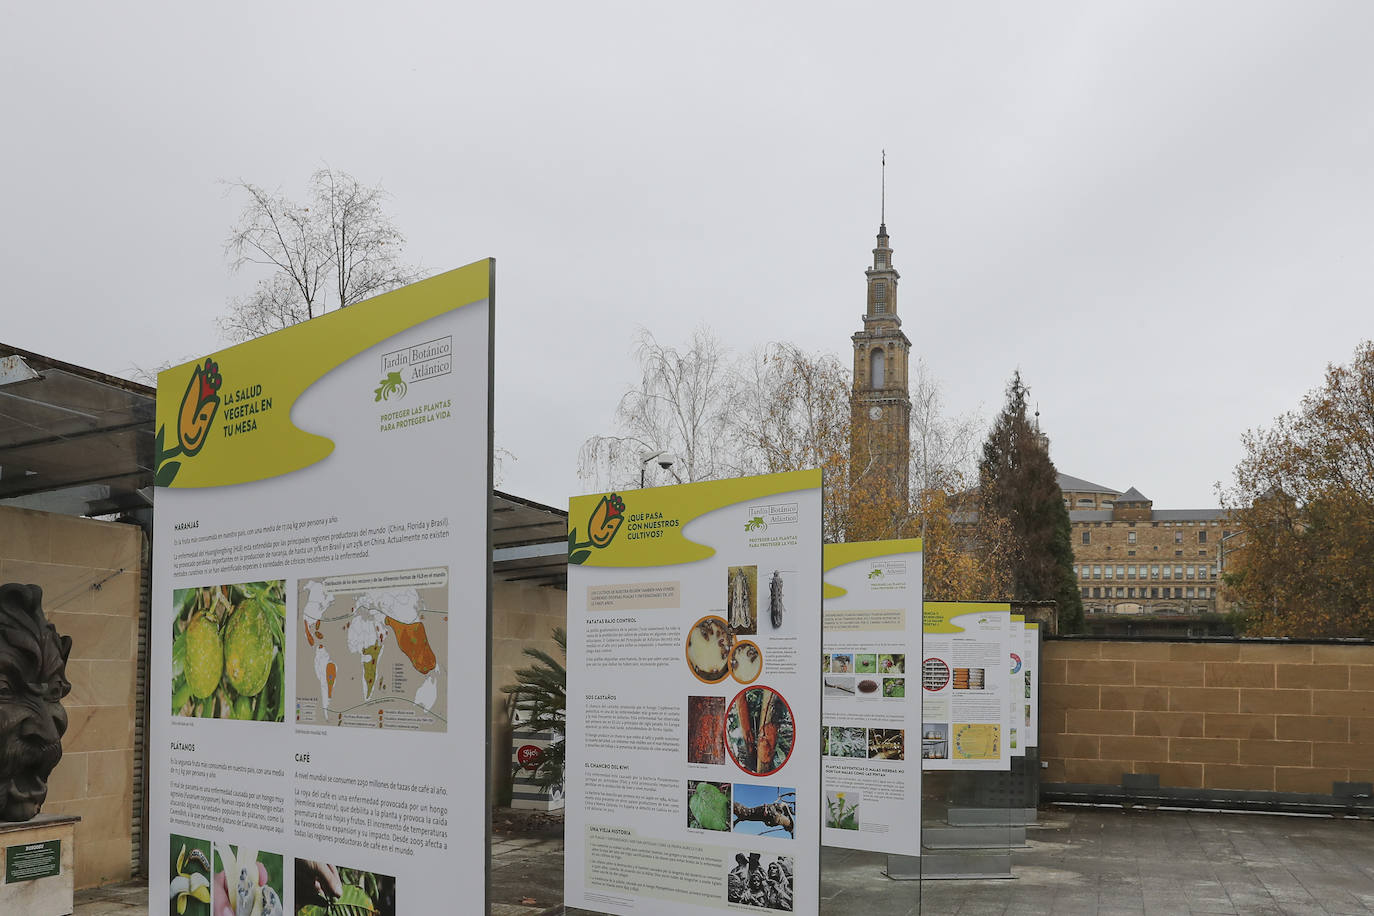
(1259, 716)
(522, 615)
(90, 573)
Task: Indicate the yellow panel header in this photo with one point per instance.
(226, 419)
(939, 615)
(644, 527)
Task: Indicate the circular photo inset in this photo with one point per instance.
(708, 649)
(759, 730)
(934, 674)
(746, 662)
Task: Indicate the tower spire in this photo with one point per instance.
(882, 219)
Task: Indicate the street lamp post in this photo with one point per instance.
(665, 460)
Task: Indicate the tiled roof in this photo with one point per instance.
(1071, 484)
(1183, 515)
(1133, 496)
(1158, 515)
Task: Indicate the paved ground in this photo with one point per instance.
(1113, 863)
(1080, 861)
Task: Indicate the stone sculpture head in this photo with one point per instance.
(33, 681)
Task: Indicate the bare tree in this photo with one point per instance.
(682, 405)
(778, 409)
(944, 448)
(794, 414)
(338, 249)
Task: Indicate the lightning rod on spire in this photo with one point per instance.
(883, 209)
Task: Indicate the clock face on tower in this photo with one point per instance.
(875, 413)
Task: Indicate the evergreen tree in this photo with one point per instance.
(1018, 484)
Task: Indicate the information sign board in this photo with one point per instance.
(321, 607)
(694, 623)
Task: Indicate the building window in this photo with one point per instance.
(1118, 592)
(1178, 537)
(1192, 572)
(1130, 572)
(1201, 536)
(1084, 501)
(1107, 572)
(1075, 572)
(1154, 593)
(879, 297)
(1154, 572)
(1087, 537)
(1130, 537)
(1121, 572)
(1202, 592)
(1097, 572)
(877, 369)
(1178, 572)
(1097, 592)
(1130, 592)
(1192, 593)
(1167, 573)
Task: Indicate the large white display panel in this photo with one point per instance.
(1016, 701)
(1031, 688)
(694, 623)
(321, 611)
(871, 697)
(965, 683)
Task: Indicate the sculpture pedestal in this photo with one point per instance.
(39, 865)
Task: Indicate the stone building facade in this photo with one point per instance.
(1131, 558)
(880, 443)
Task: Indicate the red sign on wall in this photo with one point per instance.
(528, 756)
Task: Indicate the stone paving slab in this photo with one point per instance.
(1098, 861)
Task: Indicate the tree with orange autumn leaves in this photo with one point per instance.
(1300, 563)
(783, 409)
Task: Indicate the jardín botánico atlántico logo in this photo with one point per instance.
(602, 524)
(199, 405)
(393, 386)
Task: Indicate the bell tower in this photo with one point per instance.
(880, 431)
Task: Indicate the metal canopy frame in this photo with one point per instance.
(529, 541)
(73, 440)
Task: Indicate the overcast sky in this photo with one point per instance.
(1160, 212)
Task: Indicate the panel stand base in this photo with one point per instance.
(992, 817)
(988, 837)
(50, 896)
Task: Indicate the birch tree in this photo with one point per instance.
(681, 406)
(336, 249)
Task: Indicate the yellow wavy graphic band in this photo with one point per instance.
(196, 400)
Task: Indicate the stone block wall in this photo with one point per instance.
(522, 615)
(1237, 715)
(90, 575)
